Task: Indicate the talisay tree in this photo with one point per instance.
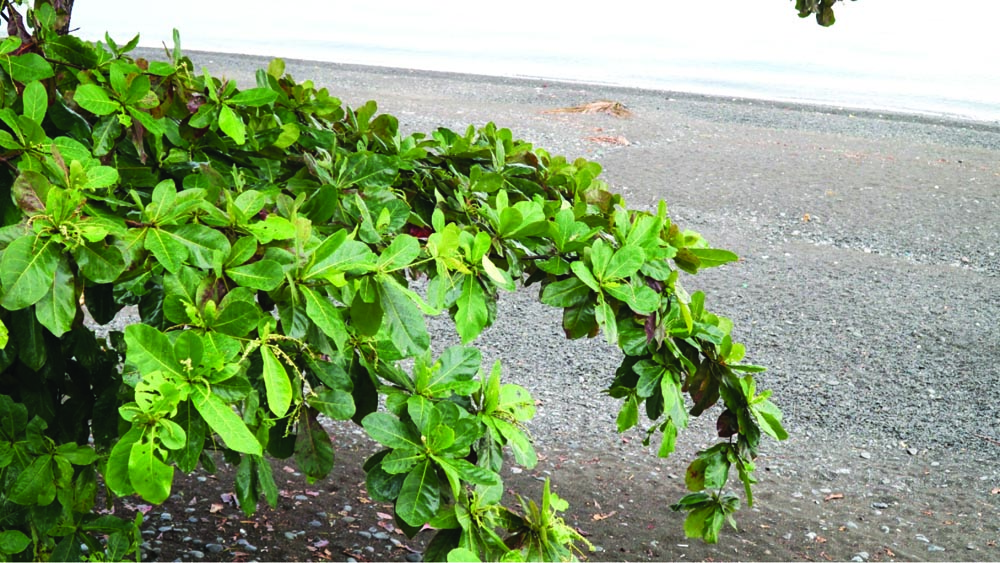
(270, 238)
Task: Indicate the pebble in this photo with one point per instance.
(911, 451)
(863, 555)
(880, 505)
(290, 535)
(970, 547)
(315, 523)
(202, 478)
(190, 510)
(923, 538)
(851, 525)
(366, 535)
(885, 529)
(192, 519)
(348, 508)
(414, 557)
(348, 519)
(866, 455)
(197, 554)
(351, 560)
(301, 497)
(162, 529)
(246, 545)
(166, 516)
(321, 514)
(933, 547)
(380, 536)
(214, 547)
(857, 559)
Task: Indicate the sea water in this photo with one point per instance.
(916, 56)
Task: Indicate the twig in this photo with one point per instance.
(988, 439)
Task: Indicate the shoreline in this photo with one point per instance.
(928, 118)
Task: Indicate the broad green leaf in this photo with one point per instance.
(625, 262)
(56, 311)
(391, 432)
(150, 477)
(279, 387)
(263, 274)
(472, 313)
(35, 485)
(13, 542)
(585, 275)
(226, 423)
(94, 99)
(232, 125)
(326, 316)
(403, 319)
(167, 250)
(105, 134)
(605, 316)
(4, 336)
(463, 555)
(334, 403)
(36, 101)
(419, 498)
(642, 299)
(116, 474)
(402, 460)
(403, 250)
(712, 257)
(769, 418)
(150, 350)
(98, 262)
(27, 67)
(237, 319)
(339, 255)
(629, 414)
(27, 270)
(520, 444)
(500, 277)
(566, 293)
(254, 97)
(207, 247)
(313, 448)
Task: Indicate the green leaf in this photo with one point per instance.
(27, 67)
(629, 415)
(94, 99)
(472, 313)
(585, 275)
(642, 299)
(57, 310)
(625, 262)
(207, 246)
(605, 316)
(166, 249)
(27, 269)
(150, 350)
(36, 101)
(254, 97)
(339, 255)
(279, 388)
(334, 403)
(232, 125)
(403, 250)
(313, 448)
(13, 542)
(403, 319)
(237, 318)
(150, 477)
(390, 431)
(226, 423)
(419, 498)
(263, 274)
(712, 257)
(769, 418)
(98, 262)
(566, 293)
(116, 474)
(326, 316)
(35, 485)
(462, 555)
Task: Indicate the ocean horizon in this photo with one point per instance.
(933, 63)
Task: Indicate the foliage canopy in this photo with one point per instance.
(271, 239)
